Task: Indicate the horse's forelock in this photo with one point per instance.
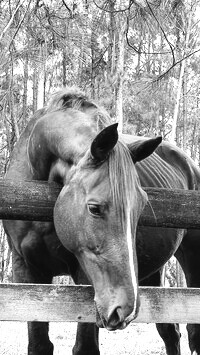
(128, 196)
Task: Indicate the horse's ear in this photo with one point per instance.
(104, 143)
(143, 148)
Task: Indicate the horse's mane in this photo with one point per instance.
(69, 97)
(125, 184)
(74, 98)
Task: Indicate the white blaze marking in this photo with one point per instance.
(194, 353)
(132, 266)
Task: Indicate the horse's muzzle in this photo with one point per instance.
(115, 321)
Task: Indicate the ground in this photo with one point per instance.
(137, 339)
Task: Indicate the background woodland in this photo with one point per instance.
(138, 58)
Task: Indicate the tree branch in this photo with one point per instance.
(11, 19)
(68, 9)
(103, 8)
(164, 34)
(19, 25)
(174, 64)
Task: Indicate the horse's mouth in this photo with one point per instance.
(102, 323)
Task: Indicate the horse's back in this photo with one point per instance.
(181, 161)
(168, 167)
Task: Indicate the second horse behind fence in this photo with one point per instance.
(94, 237)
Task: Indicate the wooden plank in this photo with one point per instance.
(34, 200)
(27, 200)
(27, 302)
(172, 208)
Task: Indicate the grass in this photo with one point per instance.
(137, 339)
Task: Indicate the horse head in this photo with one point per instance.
(96, 216)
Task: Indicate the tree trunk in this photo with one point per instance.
(120, 76)
(112, 29)
(64, 62)
(181, 77)
(35, 89)
(184, 145)
(13, 119)
(41, 80)
(24, 104)
(177, 102)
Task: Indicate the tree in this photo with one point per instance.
(185, 51)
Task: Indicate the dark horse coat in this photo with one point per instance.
(62, 143)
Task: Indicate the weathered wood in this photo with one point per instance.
(172, 208)
(27, 302)
(34, 200)
(27, 200)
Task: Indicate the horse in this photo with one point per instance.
(94, 236)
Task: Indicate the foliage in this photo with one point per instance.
(48, 44)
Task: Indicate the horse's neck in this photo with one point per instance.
(65, 135)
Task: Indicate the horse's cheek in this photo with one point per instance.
(64, 225)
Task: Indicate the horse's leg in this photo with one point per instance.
(188, 256)
(171, 336)
(87, 341)
(194, 338)
(39, 343)
(168, 332)
(87, 336)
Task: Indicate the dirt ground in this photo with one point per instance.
(137, 339)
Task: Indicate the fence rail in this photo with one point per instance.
(56, 303)
(25, 200)
(34, 200)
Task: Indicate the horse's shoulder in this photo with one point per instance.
(30, 125)
(18, 165)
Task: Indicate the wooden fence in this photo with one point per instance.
(27, 302)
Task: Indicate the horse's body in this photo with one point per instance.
(54, 147)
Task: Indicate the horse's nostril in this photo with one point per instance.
(116, 318)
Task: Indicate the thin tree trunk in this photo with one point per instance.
(139, 53)
(24, 104)
(120, 77)
(177, 102)
(13, 119)
(112, 28)
(41, 81)
(64, 62)
(35, 89)
(185, 111)
(180, 81)
(192, 147)
(93, 45)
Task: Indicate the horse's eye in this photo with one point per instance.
(95, 210)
